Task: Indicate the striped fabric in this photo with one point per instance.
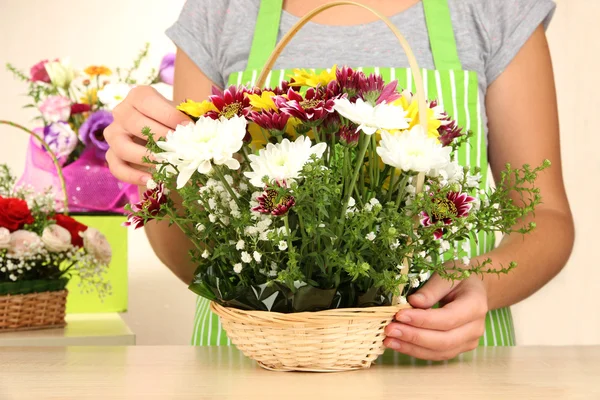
(457, 92)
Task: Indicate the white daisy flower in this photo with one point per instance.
(413, 151)
(370, 118)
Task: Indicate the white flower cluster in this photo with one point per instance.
(220, 205)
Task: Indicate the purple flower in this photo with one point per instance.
(166, 72)
(60, 138)
(92, 131)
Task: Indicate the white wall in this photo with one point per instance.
(161, 308)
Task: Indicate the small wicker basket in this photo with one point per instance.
(33, 311)
(322, 341)
(37, 310)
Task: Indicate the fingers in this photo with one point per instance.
(131, 121)
(125, 172)
(468, 305)
(428, 354)
(126, 149)
(439, 341)
(433, 291)
(148, 101)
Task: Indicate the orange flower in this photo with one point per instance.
(97, 70)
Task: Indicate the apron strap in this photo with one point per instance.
(265, 33)
(441, 35)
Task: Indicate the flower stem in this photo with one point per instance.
(359, 163)
(289, 233)
(219, 173)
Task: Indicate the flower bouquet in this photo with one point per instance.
(317, 206)
(74, 109)
(40, 251)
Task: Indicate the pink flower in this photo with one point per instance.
(149, 206)
(97, 246)
(312, 108)
(455, 205)
(56, 238)
(23, 243)
(56, 109)
(38, 72)
(272, 202)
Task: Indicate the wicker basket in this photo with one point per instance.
(33, 311)
(323, 341)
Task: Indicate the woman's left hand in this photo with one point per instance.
(445, 332)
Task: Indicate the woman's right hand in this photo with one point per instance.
(143, 107)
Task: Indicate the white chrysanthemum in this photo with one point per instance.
(195, 147)
(413, 151)
(370, 118)
(237, 268)
(113, 94)
(282, 162)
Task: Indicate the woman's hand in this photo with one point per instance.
(445, 332)
(144, 106)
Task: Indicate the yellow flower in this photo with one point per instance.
(90, 97)
(97, 70)
(410, 103)
(262, 102)
(195, 109)
(303, 77)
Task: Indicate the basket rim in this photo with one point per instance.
(375, 312)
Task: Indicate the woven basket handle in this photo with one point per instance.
(412, 61)
(59, 171)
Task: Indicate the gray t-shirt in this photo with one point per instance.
(217, 36)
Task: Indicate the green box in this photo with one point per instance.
(110, 226)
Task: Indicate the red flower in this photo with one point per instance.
(455, 205)
(275, 202)
(14, 213)
(349, 135)
(230, 102)
(270, 120)
(149, 206)
(449, 130)
(38, 72)
(349, 81)
(312, 108)
(282, 89)
(74, 228)
(78, 108)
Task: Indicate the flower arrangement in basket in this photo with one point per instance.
(316, 207)
(74, 109)
(40, 251)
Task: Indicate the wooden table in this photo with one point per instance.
(223, 373)
(82, 330)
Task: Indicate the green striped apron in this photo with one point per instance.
(455, 89)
